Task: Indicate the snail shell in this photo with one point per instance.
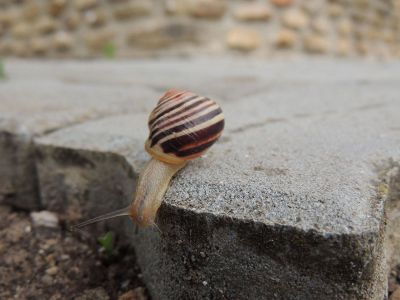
(183, 126)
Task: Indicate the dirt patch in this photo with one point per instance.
(39, 262)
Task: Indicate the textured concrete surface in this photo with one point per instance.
(290, 204)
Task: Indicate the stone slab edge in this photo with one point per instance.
(212, 253)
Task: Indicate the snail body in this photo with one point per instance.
(183, 126)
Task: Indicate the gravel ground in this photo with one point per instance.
(48, 262)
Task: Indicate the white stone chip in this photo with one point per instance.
(44, 218)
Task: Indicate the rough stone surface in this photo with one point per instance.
(243, 39)
(45, 25)
(39, 45)
(320, 25)
(31, 11)
(343, 47)
(72, 21)
(96, 18)
(56, 7)
(295, 19)
(285, 39)
(20, 47)
(159, 35)
(335, 10)
(345, 27)
(21, 30)
(63, 41)
(288, 205)
(282, 3)
(253, 12)
(138, 28)
(85, 4)
(316, 44)
(131, 10)
(208, 9)
(97, 40)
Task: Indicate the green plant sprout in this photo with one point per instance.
(107, 243)
(109, 50)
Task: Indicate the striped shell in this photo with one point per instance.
(183, 126)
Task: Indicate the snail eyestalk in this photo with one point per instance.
(111, 215)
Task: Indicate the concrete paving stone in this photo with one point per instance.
(32, 105)
(291, 203)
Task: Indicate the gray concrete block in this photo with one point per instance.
(98, 175)
(290, 204)
(34, 104)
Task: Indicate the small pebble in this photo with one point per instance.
(202, 254)
(50, 258)
(52, 271)
(65, 257)
(44, 218)
(46, 279)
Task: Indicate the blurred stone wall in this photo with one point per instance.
(138, 28)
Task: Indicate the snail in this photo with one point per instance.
(183, 126)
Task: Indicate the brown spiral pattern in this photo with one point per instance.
(183, 126)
